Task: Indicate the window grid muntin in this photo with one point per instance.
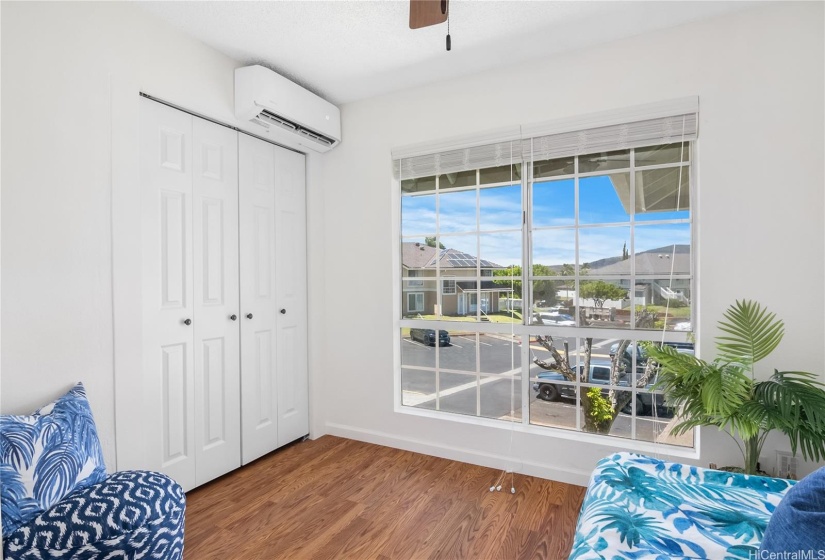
(633, 334)
(477, 232)
(578, 277)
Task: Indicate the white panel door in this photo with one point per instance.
(291, 296)
(216, 327)
(168, 302)
(259, 416)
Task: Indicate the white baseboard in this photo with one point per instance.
(569, 476)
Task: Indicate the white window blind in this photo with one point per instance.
(462, 159)
(664, 130)
(645, 125)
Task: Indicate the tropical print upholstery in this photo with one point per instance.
(47, 455)
(639, 507)
(131, 515)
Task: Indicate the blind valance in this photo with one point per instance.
(646, 125)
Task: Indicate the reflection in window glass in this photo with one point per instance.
(665, 153)
(604, 161)
(456, 180)
(503, 174)
(418, 185)
(554, 167)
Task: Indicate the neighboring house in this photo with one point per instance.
(658, 264)
(458, 297)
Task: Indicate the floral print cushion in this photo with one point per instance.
(640, 507)
(46, 456)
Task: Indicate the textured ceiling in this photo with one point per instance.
(348, 50)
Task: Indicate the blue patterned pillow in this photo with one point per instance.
(797, 527)
(46, 456)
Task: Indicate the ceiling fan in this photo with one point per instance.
(424, 13)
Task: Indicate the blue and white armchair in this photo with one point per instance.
(58, 502)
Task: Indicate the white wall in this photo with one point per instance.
(759, 77)
(71, 73)
(58, 63)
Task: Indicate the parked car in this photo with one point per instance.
(427, 336)
(549, 388)
(554, 319)
(641, 355)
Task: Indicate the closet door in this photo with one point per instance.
(259, 404)
(291, 282)
(216, 328)
(168, 302)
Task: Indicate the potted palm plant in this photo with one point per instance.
(726, 392)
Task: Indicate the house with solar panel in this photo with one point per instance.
(462, 278)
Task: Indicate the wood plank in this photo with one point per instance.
(424, 13)
(336, 498)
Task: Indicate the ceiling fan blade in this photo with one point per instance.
(424, 13)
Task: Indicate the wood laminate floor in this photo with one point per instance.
(342, 499)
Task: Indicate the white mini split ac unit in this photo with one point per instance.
(285, 111)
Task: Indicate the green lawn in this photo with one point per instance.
(676, 312)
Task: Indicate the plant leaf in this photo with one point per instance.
(751, 333)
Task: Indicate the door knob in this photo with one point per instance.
(249, 315)
(233, 317)
(187, 322)
(283, 311)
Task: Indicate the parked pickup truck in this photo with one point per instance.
(641, 355)
(549, 388)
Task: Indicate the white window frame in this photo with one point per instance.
(448, 281)
(522, 332)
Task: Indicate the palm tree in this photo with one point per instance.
(726, 393)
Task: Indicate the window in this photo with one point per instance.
(558, 255)
(448, 287)
(415, 302)
(415, 274)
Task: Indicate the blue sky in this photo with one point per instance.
(553, 206)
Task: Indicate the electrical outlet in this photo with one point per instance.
(786, 465)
